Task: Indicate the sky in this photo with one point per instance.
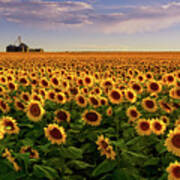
(91, 25)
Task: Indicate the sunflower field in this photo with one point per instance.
(89, 116)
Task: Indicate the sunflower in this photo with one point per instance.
(103, 101)
(84, 90)
(133, 113)
(55, 134)
(81, 101)
(4, 107)
(109, 111)
(19, 105)
(34, 82)
(80, 82)
(149, 75)
(7, 154)
(170, 79)
(165, 119)
(109, 152)
(44, 83)
(74, 91)
(24, 81)
(9, 125)
(3, 80)
(97, 91)
(65, 85)
(62, 115)
(107, 83)
(35, 111)
(157, 126)
(115, 96)
(172, 142)
(28, 149)
(92, 117)
(143, 127)
(130, 95)
(88, 81)
(2, 91)
(102, 142)
(154, 87)
(51, 95)
(37, 97)
(60, 98)
(54, 81)
(141, 77)
(173, 171)
(137, 87)
(94, 101)
(149, 104)
(25, 96)
(165, 106)
(177, 93)
(43, 93)
(12, 86)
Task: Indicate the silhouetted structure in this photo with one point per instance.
(22, 47)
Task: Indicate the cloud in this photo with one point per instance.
(142, 19)
(47, 14)
(85, 15)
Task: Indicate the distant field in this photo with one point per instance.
(90, 116)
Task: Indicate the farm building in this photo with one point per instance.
(22, 47)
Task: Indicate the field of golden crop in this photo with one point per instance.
(90, 116)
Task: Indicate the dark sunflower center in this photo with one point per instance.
(74, 91)
(11, 86)
(178, 92)
(176, 140)
(144, 126)
(52, 95)
(20, 105)
(25, 97)
(35, 110)
(62, 115)
(88, 80)
(55, 81)
(81, 100)
(44, 83)
(23, 81)
(94, 101)
(103, 102)
(104, 144)
(154, 86)
(60, 97)
(130, 95)
(34, 81)
(165, 105)
(115, 95)
(164, 120)
(134, 113)
(55, 133)
(148, 76)
(176, 172)
(149, 103)
(170, 78)
(107, 83)
(3, 105)
(91, 116)
(9, 124)
(136, 87)
(140, 78)
(157, 126)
